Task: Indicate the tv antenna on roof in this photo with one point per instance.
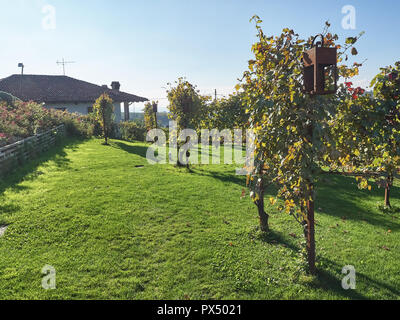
(63, 63)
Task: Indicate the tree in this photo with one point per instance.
(149, 116)
(290, 126)
(387, 90)
(103, 109)
(366, 133)
(185, 104)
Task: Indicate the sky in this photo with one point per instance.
(146, 44)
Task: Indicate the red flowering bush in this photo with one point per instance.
(23, 119)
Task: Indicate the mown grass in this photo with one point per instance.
(115, 230)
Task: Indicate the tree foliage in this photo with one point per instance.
(225, 113)
(103, 109)
(185, 104)
(367, 131)
(387, 92)
(149, 116)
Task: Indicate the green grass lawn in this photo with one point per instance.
(116, 231)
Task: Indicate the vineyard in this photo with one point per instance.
(308, 122)
(319, 198)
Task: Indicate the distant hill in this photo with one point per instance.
(162, 117)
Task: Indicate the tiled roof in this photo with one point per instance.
(56, 89)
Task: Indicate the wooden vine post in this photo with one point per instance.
(311, 232)
(260, 207)
(317, 62)
(389, 179)
(387, 193)
(155, 109)
(310, 229)
(389, 183)
(186, 111)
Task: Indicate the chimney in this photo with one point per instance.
(115, 85)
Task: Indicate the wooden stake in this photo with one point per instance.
(311, 232)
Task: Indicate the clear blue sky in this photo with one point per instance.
(145, 44)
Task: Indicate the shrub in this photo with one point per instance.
(78, 125)
(19, 120)
(133, 130)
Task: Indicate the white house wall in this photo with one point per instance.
(82, 108)
(117, 111)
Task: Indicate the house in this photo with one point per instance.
(66, 93)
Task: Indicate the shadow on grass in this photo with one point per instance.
(224, 177)
(336, 196)
(329, 277)
(134, 149)
(7, 209)
(389, 210)
(339, 196)
(29, 170)
(324, 279)
(328, 281)
(274, 237)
